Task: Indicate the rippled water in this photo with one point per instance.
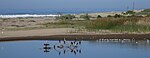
(87, 49)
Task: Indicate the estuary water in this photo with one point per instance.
(72, 49)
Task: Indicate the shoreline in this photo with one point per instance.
(81, 37)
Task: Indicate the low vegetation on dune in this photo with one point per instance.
(66, 24)
(145, 12)
(122, 24)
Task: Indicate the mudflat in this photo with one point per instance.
(63, 33)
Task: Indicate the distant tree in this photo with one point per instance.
(99, 16)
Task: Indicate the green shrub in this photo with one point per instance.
(117, 16)
(109, 16)
(99, 16)
(130, 12)
(67, 17)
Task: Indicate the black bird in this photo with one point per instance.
(71, 43)
(79, 51)
(54, 46)
(46, 44)
(80, 42)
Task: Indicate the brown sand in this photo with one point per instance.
(63, 33)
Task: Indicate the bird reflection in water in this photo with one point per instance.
(63, 47)
(46, 47)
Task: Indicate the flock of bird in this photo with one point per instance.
(64, 46)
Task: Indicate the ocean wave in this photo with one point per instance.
(26, 15)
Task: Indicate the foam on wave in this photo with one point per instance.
(26, 15)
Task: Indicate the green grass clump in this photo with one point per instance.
(131, 28)
(119, 25)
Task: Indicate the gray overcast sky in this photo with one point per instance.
(47, 4)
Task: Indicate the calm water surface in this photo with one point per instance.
(87, 49)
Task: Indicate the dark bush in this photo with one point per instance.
(67, 17)
(86, 16)
(109, 16)
(117, 16)
(130, 12)
(99, 16)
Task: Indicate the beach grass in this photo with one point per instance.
(120, 24)
(131, 28)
